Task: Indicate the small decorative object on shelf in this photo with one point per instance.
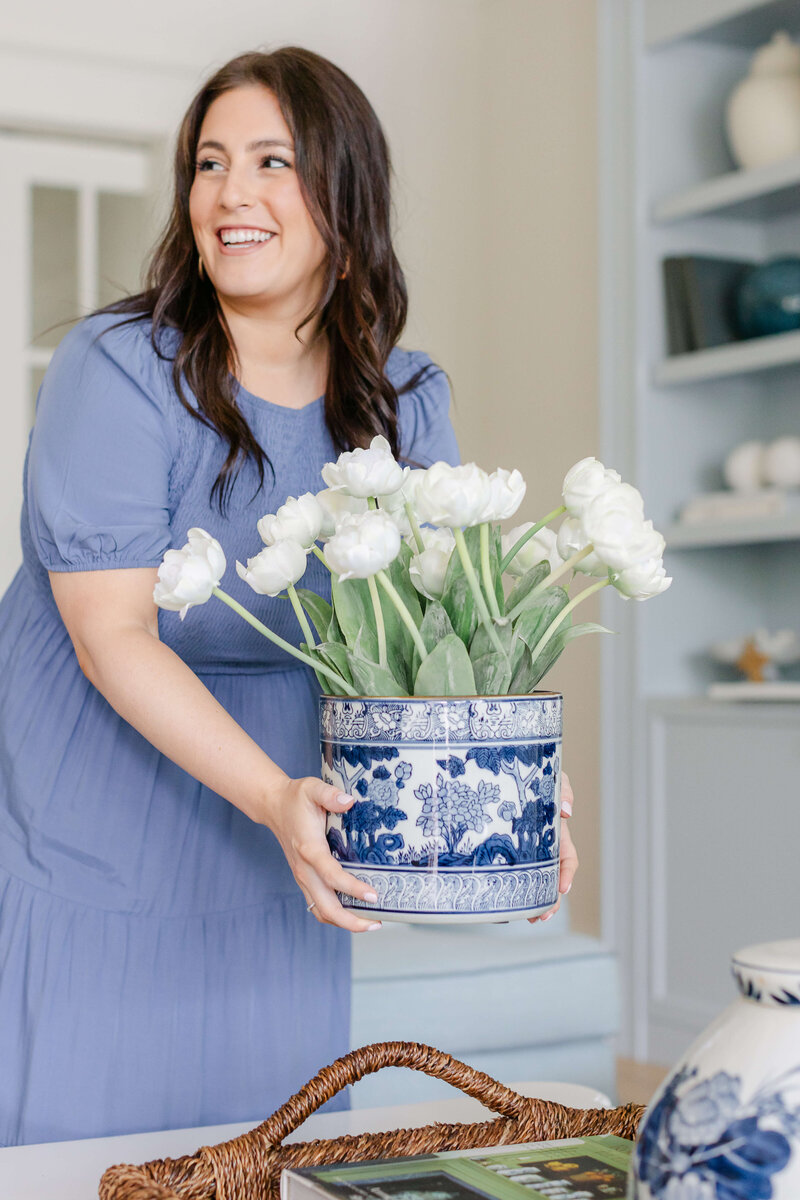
(764, 479)
(699, 295)
(758, 656)
(767, 298)
(762, 117)
(428, 665)
(725, 1124)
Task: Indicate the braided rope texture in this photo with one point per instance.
(249, 1167)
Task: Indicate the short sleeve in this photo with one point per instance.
(426, 433)
(101, 452)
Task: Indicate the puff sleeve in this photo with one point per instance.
(426, 434)
(101, 452)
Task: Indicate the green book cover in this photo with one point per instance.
(572, 1169)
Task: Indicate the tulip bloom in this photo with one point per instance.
(275, 568)
(363, 545)
(187, 577)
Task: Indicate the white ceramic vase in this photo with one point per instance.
(725, 1125)
(762, 117)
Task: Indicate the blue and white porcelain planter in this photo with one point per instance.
(457, 813)
(725, 1125)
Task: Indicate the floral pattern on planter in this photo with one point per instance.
(459, 815)
(704, 1141)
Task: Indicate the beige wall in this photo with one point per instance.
(489, 108)
(536, 407)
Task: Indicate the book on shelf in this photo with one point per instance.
(570, 1169)
(739, 506)
(699, 294)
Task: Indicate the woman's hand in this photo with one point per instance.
(296, 815)
(569, 856)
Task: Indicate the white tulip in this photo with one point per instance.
(299, 519)
(583, 482)
(642, 580)
(335, 507)
(365, 473)
(274, 568)
(614, 522)
(454, 496)
(394, 505)
(507, 493)
(428, 568)
(362, 545)
(189, 576)
(571, 538)
(542, 547)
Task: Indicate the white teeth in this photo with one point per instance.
(232, 237)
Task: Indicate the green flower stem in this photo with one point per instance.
(273, 637)
(415, 529)
(548, 633)
(472, 580)
(301, 616)
(403, 613)
(316, 550)
(376, 604)
(372, 502)
(569, 564)
(486, 571)
(515, 549)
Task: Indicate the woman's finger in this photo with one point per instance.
(325, 906)
(569, 861)
(567, 796)
(331, 798)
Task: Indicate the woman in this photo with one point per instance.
(172, 951)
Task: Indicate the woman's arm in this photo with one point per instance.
(113, 624)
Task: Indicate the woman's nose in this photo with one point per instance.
(235, 191)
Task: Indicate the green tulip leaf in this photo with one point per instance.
(457, 598)
(525, 585)
(371, 679)
(435, 626)
(352, 604)
(447, 670)
(528, 674)
(318, 609)
(532, 624)
(335, 655)
(491, 668)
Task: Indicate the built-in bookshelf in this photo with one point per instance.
(694, 877)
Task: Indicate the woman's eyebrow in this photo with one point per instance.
(263, 144)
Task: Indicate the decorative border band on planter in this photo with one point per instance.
(457, 811)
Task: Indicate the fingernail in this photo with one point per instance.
(569, 885)
(377, 925)
(547, 916)
(371, 897)
(345, 799)
(566, 808)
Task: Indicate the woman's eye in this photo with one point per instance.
(273, 161)
(207, 164)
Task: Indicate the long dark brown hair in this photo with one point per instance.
(343, 166)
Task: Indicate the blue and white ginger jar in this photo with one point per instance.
(457, 812)
(725, 1125)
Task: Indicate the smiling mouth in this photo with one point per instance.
(243, 237)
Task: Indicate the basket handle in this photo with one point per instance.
(358, 1063)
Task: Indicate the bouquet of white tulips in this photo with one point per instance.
(418, 569)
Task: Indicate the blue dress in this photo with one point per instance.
(158, 968)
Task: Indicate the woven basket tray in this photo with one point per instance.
(249, 1167)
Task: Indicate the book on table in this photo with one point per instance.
(570, 1169)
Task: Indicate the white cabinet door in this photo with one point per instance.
(75, 224)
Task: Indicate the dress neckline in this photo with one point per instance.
(283, 408)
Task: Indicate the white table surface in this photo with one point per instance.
(72, 1170)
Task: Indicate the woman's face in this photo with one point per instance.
(253, 231)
